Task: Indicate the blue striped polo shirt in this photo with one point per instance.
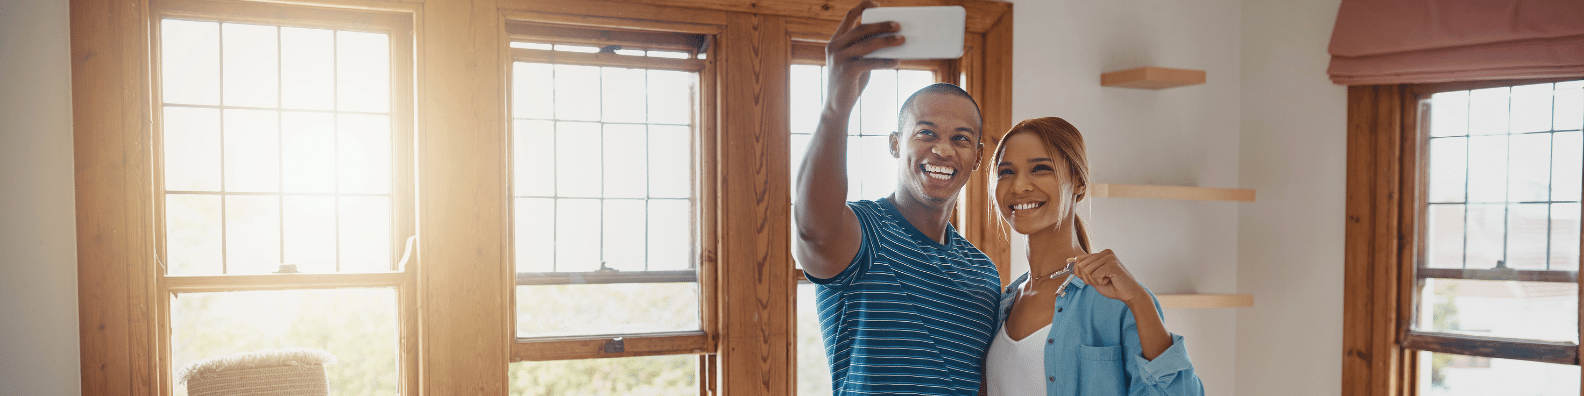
(909, 316)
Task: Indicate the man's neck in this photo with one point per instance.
(929, 218)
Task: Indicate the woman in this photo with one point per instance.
(1081, 324)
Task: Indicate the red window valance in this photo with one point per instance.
(1419, 41)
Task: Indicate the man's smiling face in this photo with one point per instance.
(938, 148)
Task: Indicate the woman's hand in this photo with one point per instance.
(849, 70)
(1105, 273)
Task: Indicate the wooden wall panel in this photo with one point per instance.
(755, 352)
(112, 141)
(464, 276)
(1372, 359)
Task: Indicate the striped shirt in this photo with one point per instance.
(909, 316)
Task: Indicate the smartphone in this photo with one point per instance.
(931, 32)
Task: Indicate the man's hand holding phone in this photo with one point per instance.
(845, 55)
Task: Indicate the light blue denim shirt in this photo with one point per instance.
(1093, 349)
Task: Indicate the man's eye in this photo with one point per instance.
(927, 132)
(960, 137)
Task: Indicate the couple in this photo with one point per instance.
(907, 306)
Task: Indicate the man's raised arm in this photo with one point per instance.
(828, 235)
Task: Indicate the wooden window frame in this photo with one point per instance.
(1385, 186)
(456, 296)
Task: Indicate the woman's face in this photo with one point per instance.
(1033, 189)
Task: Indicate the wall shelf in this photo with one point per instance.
(1184, 301)
(1152, 78)
(1107, 190)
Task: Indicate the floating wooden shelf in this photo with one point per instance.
(1106, 190)
(1181, 301)
(1152, 78)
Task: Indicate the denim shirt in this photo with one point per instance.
(1093, 349)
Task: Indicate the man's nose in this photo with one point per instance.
(941, 150)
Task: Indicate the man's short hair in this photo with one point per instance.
(937, 88)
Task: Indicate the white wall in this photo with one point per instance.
(38, 252)
(1294, 152)
(1266, 119)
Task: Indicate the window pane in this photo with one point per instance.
(1448, 169)
(578, 169)
(1486, 231)
(1510, 309)
(308, 152)
(1449, 113)
(1444, 233)
(190, 62)
(1527, 226)
(362, 72)
(670, 243)
(626, 161)
(535, 225)
(879, 173)
(192, 234)
(1531, 108)
(813, 368)
(624, 234)
(309, 224)
(577, 239)
(577, 93)
(534, 156)
(1487, 169)
(1458, 375)
(358, 326)
(671, 97)
(363, 153)
(670, 162)
(365, 234)
(560, 310)
(1566, 162)
(1565, 236)
(1488, 109)
(307, 68)
(623, 95)
(192, 149)
(252, 150)
(250, 57)
(807, 99)
(1529, 178)
(253, 234)
(634, 376)
(1569, 105)
(532, 91)
(879, 104)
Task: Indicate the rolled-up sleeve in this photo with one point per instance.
(1171, 373)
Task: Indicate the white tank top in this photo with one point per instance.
(1016, 367)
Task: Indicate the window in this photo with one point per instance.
(604, 135)
(1481, 294)
(283, 202)
(1499, 240)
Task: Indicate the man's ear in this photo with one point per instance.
(896, 152)
(979, 156)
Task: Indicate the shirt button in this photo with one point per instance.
(1058, 309)
(1050, 340)
(1051, 379)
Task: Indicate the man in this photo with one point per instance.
(907, 306)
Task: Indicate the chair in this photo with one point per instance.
(270, 372)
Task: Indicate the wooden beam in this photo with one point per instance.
(118, 325)
(1372, 359)
(223, 283)
(596, 347)
(1495, 347)
(611, 60)
(982, 14)
(464, 271)
(1190, 193)
(755, 306)
(987, 67)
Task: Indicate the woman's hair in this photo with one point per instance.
(1060, 138)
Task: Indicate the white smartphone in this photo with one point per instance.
(931, 32)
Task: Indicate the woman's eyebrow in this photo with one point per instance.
(1041, 159)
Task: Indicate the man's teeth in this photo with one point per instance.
(939, 172)
(1026, 206)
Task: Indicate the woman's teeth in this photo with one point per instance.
(1027, 205)
(939, 172)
